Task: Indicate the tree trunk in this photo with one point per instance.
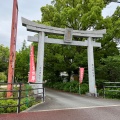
(69, 75)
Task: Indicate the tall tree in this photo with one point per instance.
(79, 15)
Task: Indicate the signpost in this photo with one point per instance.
(68, 34)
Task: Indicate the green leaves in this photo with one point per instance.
(111, 68)
(22, 64)
(79, 15)
(4, 58)
(48, 13)
(3, 77)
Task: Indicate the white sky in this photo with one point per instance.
(29, 9)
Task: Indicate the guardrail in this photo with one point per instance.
(112, 85)
(21, 88)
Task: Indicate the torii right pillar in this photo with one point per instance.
(91, 70)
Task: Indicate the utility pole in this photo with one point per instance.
(12, 54)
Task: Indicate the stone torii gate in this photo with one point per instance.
(68, 33)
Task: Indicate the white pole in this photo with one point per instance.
(40, 61)
(91, 71)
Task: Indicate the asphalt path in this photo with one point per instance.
(64, 106)
(56, 100)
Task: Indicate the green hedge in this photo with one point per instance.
(110, 94)
(74, 87)
(10, 102)
(68, 86)
(29, 101)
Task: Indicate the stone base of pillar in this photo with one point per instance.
(92, 94)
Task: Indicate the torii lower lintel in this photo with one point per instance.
(60, 41)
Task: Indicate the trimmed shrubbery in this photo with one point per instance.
(68, 86)
(12, 102)
(26, 102)
(84, 88)
(110, 93)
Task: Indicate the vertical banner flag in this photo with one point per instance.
(81, 74)
(32, 76)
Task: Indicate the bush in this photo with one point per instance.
(84, 88)
(109, 93)
(100, 83)
(23, 93)
(26, 102)
(68, 86)
(8, 109)
(3, 77)
(49, 84)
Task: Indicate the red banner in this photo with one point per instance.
(81, 75)
(32, 76)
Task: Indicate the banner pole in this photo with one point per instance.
(79, 90)
(26, 88)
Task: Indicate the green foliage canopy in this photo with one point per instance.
(79, 15)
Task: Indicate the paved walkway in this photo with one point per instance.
(61, 100)
(64, 106)
(99, 113)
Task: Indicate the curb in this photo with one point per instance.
(32, 107)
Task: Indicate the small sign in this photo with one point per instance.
(68, 35)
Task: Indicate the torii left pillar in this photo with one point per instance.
(40, 60)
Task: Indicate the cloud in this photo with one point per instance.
(110, 9)
(29, 9)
